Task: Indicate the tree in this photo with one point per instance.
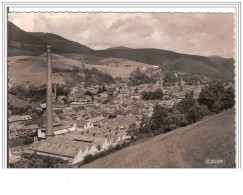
(196, 112)
(159, 117)
(185, 104)
(216, 98)
(145, 126)
(151, 95)
(137, 78)
(228, 99)
(170, 78)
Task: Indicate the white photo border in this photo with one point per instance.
(209, 7)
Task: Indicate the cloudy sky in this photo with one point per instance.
(201, 34)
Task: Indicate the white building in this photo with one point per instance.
(97, 121)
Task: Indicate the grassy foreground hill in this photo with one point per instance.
(212, 139)
(33, 44)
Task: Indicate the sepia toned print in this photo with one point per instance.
(121, 90)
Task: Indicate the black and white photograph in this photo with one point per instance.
(121, 90)
(120, 97)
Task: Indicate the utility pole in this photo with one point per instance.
(49, 111)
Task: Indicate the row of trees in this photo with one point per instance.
(163, 120)
(35, 93)
(151, 95)
(213, 99)
(137, 78)
(79, 75)
(95, 76)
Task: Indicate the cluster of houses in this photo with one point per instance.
(74, 142)
(90, 120)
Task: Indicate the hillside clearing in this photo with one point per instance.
(213, 138)
(33, 68)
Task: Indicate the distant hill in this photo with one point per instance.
(212, 138)
(119, 47)
(33, 44)
(216, 69)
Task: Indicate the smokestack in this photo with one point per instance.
(49, 112)
(55, 91)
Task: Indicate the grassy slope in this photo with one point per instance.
(116, 67)
(33, 68)
(211, 138)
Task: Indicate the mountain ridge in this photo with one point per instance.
(34, 44)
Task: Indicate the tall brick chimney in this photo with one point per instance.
(49, 111)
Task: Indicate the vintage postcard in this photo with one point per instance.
(121, 90)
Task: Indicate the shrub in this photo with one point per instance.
(33, 160)
(89, 158)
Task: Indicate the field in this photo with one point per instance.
(33, 68)
(116, 67)
(213, 138)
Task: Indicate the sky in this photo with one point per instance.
(206, 34)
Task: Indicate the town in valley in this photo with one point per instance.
(69, 109)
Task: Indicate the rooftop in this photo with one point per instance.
(15, 118)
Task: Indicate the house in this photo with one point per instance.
(104, 95)
(155, 67)
(61, 99)
(21, 126)
(144, 68)
(92, 122)
(59, 106)
(167, 104)
(43, 106)
(74, 90)
(99, 145)
(120, 139)
(110, 109)
(18, 118)
(75, 104)
(135, 96)
(123, 93)
(10, 85)
(80, 125)
(16, 121)
(24, 131)
(58, 129)
(85, 100)
(182, 95)
(95, 89)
